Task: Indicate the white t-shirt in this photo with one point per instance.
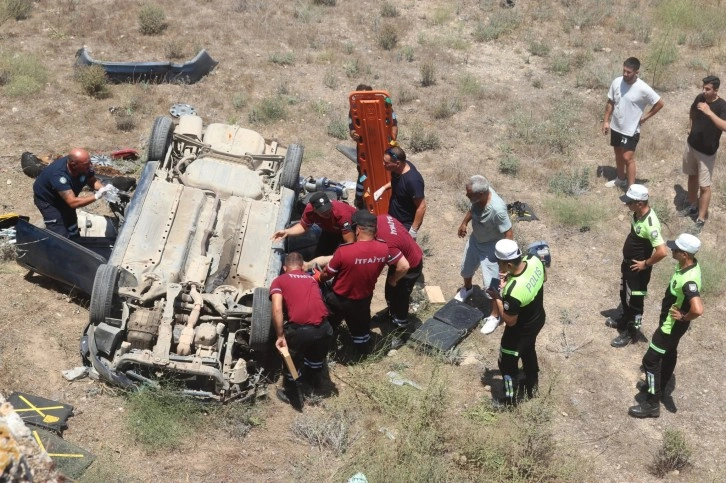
(630, 101)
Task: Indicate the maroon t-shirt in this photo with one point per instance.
(301, 297)
(356, 267)
(337, 222)
(397, 238)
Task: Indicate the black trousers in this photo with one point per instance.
(660, 359)
(58, 219)
(518, 342)
(633, 289)
(308, 346)
(356, 313)
(399, 297)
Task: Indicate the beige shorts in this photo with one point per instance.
(697, 163)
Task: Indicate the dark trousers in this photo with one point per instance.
(399, 297)
(328, 243)
(518, 342)
(633, 289)
(356, 313)
(660, 359)
(308, 346)
(62, 220)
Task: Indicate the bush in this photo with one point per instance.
(21, 74)
(239, 100)
(406, 53)
(17, 9)
(447, 107)
(269, 110)
(330, 80)
(93, 81)
(152, 19)
(500, 23)
(539, 49)
(334, 431)
(174, 50)
(574, 183)
(575, 212)
(673, 455)
(469, 86)
(327, 3)
(387, 37)
(283, 58)
(422, 140)
(352, 68)
(125, 122)
(428, 74)
(388, 10)
(338, 129)
(509, 164)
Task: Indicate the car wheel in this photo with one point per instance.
(160, 138)
(290, 177)
(32, 166)
(102, 296)
(261, 329)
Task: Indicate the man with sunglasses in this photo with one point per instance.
(681, 304)
(408, 203)
(643, 248)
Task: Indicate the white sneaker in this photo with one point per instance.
(620, 183)
(463, 294)
(490, 324)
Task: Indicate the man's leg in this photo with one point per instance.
(509, 365)
(692, 199)
(400, 296)
(530, 364)
(469, 264)
(620, 162)
(629, 162)
(703, 201)
(358, 318)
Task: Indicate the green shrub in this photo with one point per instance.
(338, 129)
(500, 23)
(560, 64)
(406, 95)
(674, 454)
(387, 37)
(539, 48)
(270, 109)
(327, 3)
(423, 140)
(21, 74)
(447, 107)
(93, 81)
(320, 107)
(239, 100)
(152, 19)
(508, 162)
(469, 86)
(16, 9)
(125, 122)
(574, 183)
(352, 68)
(174, 49)
(388, 10)
(335, 430)
(283, 58)
(575, 212)
(407, 53)
(330, 80)
(428, 74)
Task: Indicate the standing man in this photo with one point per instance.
(333, 218)
(56, 190)
(627, 98)
(643, 248)
(681, 304)
(407, 204)
(299, 317)
(490, 223)
(699, 157)
(356, 267)
(398, 290)
(521, 304)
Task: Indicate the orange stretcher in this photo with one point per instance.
(372, 115)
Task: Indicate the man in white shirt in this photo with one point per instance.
(627, 98)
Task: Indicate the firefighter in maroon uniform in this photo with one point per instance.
(299, 316)
(356, 267)
(398, 289)
(333, 218)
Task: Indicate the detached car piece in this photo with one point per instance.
(183, 293)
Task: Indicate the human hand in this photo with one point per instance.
(605, 128)
(278, 235)
(704, 108)
(462, 230)
(638, 266)
(413, 233)
(281, 343)
(354, 136)
(378, 193)
(317, 273)
(676, 313)
(109, 193)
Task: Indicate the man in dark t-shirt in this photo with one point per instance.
(700, 154)
(408, 203)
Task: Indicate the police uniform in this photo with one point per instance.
(307, 330)
(523, 296)
(356, 267)
(660, 358)
(57, 215)
(398, 239)
(645, 235)
(332, 227)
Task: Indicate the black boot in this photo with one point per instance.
(650, 408)
(623, 339)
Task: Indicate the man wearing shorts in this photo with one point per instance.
(701, 146)
(627, 98)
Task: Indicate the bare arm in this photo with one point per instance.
(277, 320)
(653, 111)
(294, 230)
(658, 255)
(695, 311)
(94, 183)
(420, 212)
(606, 117)
(348, 237)
(402, 267)
(75, 201)
(464, 223)
(704, 108)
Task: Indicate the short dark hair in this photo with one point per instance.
(713, 80)
(363, 87)
(294, 259)
(632, 63)
(396, 153)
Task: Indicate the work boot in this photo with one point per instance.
(613, 322)
(623, 339)
(650, 408)
(291, 394)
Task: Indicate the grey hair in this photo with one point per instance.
(479, 184)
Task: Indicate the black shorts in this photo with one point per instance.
(627, 143)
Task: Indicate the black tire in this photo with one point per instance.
(261, 330)
(290, 177)
(32, 166)
(102, 295)
(160, 138)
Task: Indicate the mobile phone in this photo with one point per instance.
(495, 284)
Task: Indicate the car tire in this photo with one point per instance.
(261, 329)
(160, 138)
(290, 177)
(32, 166)
(102, 295)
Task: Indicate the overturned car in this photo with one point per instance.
(183, 293)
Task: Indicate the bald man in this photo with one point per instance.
(56, 190)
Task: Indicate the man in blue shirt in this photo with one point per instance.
(56, 190)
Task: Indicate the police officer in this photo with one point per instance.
(643, 248)
(681, 304)
(398, 290)
(522, 308)
(56, 190)
(333, 218)
(299, 317)
(356, 267)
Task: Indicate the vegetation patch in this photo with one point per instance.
(423, 140)
(21, 75)
(428, 74)
(501, 23)
(576, 182)
(387, 37)
(268, 110)
(674, 454)
(15, 9)
(283, 58)
(334, 429)
(152, 19)
(574, 212)
(338, 129)
(93, 81)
